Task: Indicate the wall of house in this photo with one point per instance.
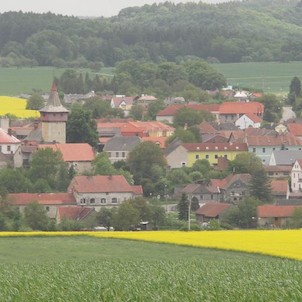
(265, 152)
(165, 119)
(81, 167)
(104, 199)
(115, 156)
(211, 156)
(54, 131)
(177, 158)
(9, 148)
(296, 178)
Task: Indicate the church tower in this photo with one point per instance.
(53, 118)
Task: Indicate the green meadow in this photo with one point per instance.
(93, 269)
(271, 77)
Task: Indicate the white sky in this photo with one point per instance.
(80, 8)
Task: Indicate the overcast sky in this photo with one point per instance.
(80, 8)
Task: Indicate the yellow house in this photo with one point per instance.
(212, 151)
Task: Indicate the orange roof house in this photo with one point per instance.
(275, 215)
(295, 129)
(103, 190)
(78, 155)
(211, 210)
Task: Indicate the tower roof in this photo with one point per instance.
(54, 103)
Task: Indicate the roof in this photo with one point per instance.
(72, 152)
(54, 103)
(280, 168)
(277, 140)
(172, 109)
(286, 157)
(118, 100)
(197, 147)
(5, 138)
(212, 209)
(160, 140)
(206, 127)
(279, 187)
(74, 212)
(254, 118)
(122, 143)
(267, 211)
(227, 181)
(295, 129)
(241, 108)
(101, 184)
(42, 198)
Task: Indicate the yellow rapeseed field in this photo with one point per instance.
(17, 107)
(281, 243)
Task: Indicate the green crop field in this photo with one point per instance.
(269, 77)
(91, 269)
(14, 81)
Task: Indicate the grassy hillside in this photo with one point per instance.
(90, 269)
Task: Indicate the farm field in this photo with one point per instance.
(271, 77)
(94, 269)
(14, 81)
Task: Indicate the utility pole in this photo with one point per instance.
(189, 215)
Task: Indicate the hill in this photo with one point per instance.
(250, 30)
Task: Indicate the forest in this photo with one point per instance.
(246, 31)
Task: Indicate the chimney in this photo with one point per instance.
(9, 131)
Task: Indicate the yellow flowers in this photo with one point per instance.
(17, 107)
(281, 243)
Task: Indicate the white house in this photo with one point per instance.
(248, 120)
(296, 176)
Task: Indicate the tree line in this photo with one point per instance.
(229, 32)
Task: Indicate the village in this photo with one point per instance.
(234, 131)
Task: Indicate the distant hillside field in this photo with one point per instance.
(14, 81)
(270, 77)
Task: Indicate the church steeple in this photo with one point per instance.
(54, 117)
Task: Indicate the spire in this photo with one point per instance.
(54, 103)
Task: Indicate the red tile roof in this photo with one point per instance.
(295, 129)
(279, 186)
(7, 139)
(241, 108)
(72, 152)
(172, 109)
(206, 127)
(212, 209)
(101, 184)
(254, 118)
(42, 198)
(74, 212)
(161, 141)
(277, 140)
(267, 211)
(196, 147)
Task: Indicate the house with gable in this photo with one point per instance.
(102, 190)
(76, 155)
(119, 147)
(296, 176)
(295, 129)
(123, 102)
(248, 120)
(232, 111)
(280, 189)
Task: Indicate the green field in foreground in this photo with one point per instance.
(271, 77)
(92, 269)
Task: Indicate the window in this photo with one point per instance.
(123, 154)
(117, 154)
(216, 156)
(183, 164)
(207, 156)
(8, 148)
(263, 150)
(103, 200)
(196, 156)
(47, 208)
(254, 150)
(114, 200)
(83, 201)
(92, 200)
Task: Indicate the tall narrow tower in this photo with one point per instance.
(54, 117)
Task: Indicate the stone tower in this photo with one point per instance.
(53, 118)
